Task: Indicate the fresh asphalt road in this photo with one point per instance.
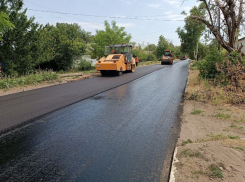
(122, 134)
(24, 106)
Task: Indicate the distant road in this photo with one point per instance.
(22, 107)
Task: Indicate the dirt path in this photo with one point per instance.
(211, 146)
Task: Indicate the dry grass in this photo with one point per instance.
(206, 91)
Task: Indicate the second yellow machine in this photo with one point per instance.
(119, 58)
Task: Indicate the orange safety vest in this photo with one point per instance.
(136, 59)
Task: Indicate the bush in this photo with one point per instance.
(85, 65)
(151, 57)
(207, 67)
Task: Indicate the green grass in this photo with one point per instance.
(239, 148)
(233, 137)
(31, 79)
(196, 112)
(233, 125)
(188, 153)
(220, 109)
(143, 63)
(216, 173)
(185, 142)
(222, 116)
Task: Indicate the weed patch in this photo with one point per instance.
(186, 142)
(222, 116)
(196, 112)
(32, 79)
(189, 153)
(215, 172)
(233, 137)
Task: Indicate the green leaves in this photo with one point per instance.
(5, 24)
(111, 35)
(161, 46)
(191, 32)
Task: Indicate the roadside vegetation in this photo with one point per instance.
(211, 145)
(28, 48)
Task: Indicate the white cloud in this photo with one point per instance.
(154, 5)
(127, 2)
(172, 16)
(125, 24)
(176, 3)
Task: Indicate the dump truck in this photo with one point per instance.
(168, 57)
(118, 59)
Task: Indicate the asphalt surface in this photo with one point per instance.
(22, 107)
(122, 134)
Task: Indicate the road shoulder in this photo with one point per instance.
(211, 146)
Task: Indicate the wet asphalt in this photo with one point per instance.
(122, 134)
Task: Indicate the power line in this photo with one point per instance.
(99, 16)
(154, 32)
(182, 3)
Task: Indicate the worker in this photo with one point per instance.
(136, 60)
(113, 51)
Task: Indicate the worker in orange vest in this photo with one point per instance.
(136, 60)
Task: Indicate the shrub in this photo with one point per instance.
(151, 57)
(207, 67)
(85, 65)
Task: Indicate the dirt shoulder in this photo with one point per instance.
(211, 146)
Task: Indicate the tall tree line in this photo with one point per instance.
(26, 46)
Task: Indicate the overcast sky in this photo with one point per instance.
(162, 15)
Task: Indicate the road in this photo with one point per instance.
(123, 134)
(22, 107)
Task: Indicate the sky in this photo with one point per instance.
(145, 20)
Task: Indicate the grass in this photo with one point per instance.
(222, 116)
(239, 148)
(233, 137)
(204, 90)
(213, 137)
(143, 63)
(31, 79)
(233, 125)
(196, 112)
(215, 172)
(189, 153)
(186, 142)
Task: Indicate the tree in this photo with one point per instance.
(191, 33)
(63, 43)
(18, 44)
(111, 35)
(225, 26)
(150, 47)
(5, 24)
(161, 46)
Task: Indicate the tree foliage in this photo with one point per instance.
(63, 43)
(18, 45)
(5, 24)
(161, 46)
(111, 35)
(27, 46)
(224, 19)
(191, 33)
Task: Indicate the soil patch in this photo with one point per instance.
(211, 146)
